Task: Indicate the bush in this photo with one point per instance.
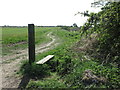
(65, 28)
(34, 70)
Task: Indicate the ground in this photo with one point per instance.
(11, 64)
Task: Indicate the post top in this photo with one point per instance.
(30, 24)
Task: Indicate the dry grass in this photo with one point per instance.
(86, 43)
(89, 77)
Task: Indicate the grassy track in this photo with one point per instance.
(51, 70)
(16, 38)
(67, 67)
(12, 35)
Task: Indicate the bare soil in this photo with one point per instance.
(18, 43)
(9, 77)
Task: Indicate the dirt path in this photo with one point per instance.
(9, 78)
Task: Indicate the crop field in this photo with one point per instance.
(16, 35)
(17, 38)
(12, 35)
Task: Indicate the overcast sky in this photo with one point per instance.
(43, 12)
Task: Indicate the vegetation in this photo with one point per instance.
(105, 50)
(97, 53)
(88, 58)
(106, 24)
(17, 37)
(75, 25)
(60, 63)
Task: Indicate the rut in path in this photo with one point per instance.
(39, 49)
(9, 79)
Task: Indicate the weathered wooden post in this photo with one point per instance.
(31, 43)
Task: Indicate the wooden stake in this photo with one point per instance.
(31, 43)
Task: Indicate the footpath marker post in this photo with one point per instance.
(31, 43)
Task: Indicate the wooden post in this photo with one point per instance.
(31, 43)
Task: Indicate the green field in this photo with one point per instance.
(12, 35)
(17, 38)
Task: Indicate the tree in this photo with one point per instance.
(107, 24)
(75, 25)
